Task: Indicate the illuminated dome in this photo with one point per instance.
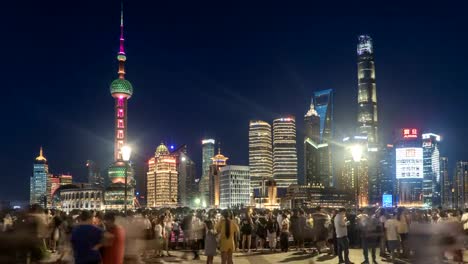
(162, 149)
(121, 86)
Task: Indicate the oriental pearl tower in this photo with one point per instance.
(121, 90)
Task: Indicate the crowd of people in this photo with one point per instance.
(87, 237)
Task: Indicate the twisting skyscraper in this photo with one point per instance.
(121, 90)
(367, 93)
(284, 152)
(260, 153)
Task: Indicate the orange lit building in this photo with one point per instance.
(162, 179)
(218, 161)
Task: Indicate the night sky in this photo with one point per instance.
(207, 69)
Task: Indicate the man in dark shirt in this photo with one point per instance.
(86, 239)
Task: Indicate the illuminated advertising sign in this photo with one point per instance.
(409, 163)
(410, 133)
(387, 200)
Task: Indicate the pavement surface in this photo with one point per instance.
(267, 257)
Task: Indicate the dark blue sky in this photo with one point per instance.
(207, 69)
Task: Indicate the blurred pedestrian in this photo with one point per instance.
(86, 240)
(114, 246)
(227, 229)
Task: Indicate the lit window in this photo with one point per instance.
(120, 113)
(119, 144)
(120, 102)
(120, 123)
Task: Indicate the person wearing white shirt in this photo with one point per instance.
(341, 227)
(391, 234)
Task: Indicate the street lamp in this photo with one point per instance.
(356, 153)
(126, 152)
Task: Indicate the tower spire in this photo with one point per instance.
(41, 156)
(121, 55)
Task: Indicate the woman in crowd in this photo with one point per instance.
(272, 231)
(246, 231)
(403, 229)
(210, 241)
(284, 237)
(227, 230)
(159, 236)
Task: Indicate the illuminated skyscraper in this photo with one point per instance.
(387, 170)
(121, 90)
(38, 181)
(208, 151)
(260, 154)
(162, 179)
(367, 93)
(431, 170)
(355, 175)
(461, 185)
(317, 141)
(284, 153)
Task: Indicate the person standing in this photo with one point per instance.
(168, 223)
(246, 230)
(272, 231)
(114, 249)
(227, 230)
(341, 227)
(86, 240)
(391, 235)
(210, 241)
(403, 229)
(370, 232)
(284, 236)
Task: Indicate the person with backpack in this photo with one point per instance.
(246, 231)
(272, 231)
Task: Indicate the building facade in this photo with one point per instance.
(187, 172)
(355, 177)
(260, 155)
(284, 153)
(310, 196)
(431, 169)
(446, 180)
(94, 174)
(367, 91)
(317, 150)
(461, 185)
(387, 170)
(38, 182)
(79, 197)
(208, 151)
(162, 179)
(218, 161)
(235, 186)
(120, 172)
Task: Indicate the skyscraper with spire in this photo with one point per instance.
(121, 90)
(38, 181)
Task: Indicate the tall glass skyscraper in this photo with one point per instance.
(446, 184)
(461, 185)
(284, 153)
(367, 93)
(260, 154)
(208, 152)
(431, 169)
(38, 181)
(318, 163)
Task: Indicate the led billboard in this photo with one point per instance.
(409, 163)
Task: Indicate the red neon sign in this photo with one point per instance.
(410, 133)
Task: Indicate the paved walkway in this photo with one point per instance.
(256, 258)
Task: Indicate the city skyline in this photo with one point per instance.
(89, 121)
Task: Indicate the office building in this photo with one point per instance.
(235, 186)
(409, 167)
(38, 181)
(208, 151)
(65, 179)
(121, 172)
(446, 184)
(431, 169)
(94, 174)
(260, 155)
(217, 162)
(317, 148)
(367, 93)
(284, 153)
(162, 179)
(53, 183)
(387, 170)
(461, 185)
(187, 188)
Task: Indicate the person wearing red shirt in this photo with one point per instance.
(114, 249)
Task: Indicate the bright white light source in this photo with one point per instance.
(126, 152)
(356, 152)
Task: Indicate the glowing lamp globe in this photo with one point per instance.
(356, 152)
(121, 87)
(126, 152)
